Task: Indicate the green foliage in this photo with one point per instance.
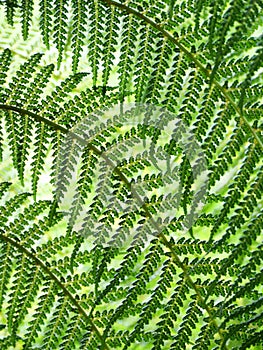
(168, 288)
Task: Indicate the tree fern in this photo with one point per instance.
(131, 193)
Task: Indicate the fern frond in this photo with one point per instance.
(128, 41)
(18, 130)
(143, 62)
(95, 12)
(111, 36)
(157, 243)
(7, 253)
(23, 281)
(10, 9)
(156, 79)
(4, 187)
(254, 68)
(27, 11)
(224, 18)
(78, 32)
(5, 63)
(60, 26)
(45, 20)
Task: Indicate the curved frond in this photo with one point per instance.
(144, 226)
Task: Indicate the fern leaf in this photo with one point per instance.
(45, 20)
(5, 63)
(4, 66)
(19, 131)
(6, 269)
(83, 187)
(111, 42)
(10, 9)
(79, 22)
(95, 40)
(143, 62)
(4, 187)
(60, 25)
(156, 79)
(27, 9)
(127, 53)
(128, 264)
(41, 134)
